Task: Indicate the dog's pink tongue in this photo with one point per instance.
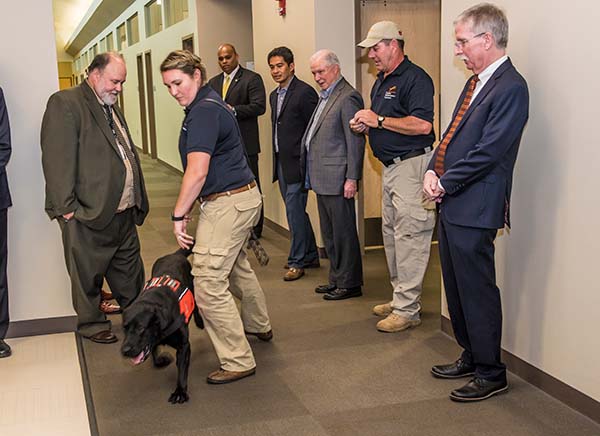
(138, 359)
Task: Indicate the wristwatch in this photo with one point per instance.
(380, 119)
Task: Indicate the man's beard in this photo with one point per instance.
(109, 98)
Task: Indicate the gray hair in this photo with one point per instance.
(328, 56)
(486, 17)
(101, 60)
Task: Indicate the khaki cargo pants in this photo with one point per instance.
(407, 227)
(221, 271)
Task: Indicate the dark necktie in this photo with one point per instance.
(441, 152)
(137, 193)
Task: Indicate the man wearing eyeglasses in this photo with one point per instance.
(470, 176)
(400, 129)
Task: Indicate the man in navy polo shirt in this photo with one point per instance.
(400, 129)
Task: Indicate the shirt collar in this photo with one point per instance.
(233, 73)
(201, 94)
(399, 69)
(281, 90)
(326, 93)
(485, 75)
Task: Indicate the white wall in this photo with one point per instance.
(547, 263)
(38, 282)
(224, 21)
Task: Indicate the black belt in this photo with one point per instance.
(412, 153)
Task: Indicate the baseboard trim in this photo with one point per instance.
(286, 234)
(566, 394)
(42, 326)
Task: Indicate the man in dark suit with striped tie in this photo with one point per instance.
(95, 191)
(470, 176)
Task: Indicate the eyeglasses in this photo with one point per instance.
(462, 42)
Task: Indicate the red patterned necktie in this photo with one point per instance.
(441, 152)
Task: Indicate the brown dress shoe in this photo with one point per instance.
(109, 308)
(314, 264)
(293, 274)
(223, 376)
(266, 336)
(106, 295)
(103, 337)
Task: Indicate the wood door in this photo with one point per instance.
(420, 25)
(142, 97)
(150, 99)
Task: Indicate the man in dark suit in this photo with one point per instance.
(470, 176)
(244, 92)
(5, 203)
(292, 104)
(95, 190)
(332, 161)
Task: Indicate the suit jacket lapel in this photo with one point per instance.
(330, 102)
(234, 81)
(484, 91)
(288, 95)
(99, 116)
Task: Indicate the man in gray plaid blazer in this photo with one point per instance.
(332, 160)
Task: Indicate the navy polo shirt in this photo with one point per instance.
(210, 129)
(408, 90)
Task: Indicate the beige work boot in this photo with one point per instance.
(396, 323)
(383, 310)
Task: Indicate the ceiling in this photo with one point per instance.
(77, 22)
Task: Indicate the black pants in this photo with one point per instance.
(468, 269)
(338, 228)
(112, 253)
(4, 317)
(253, 164)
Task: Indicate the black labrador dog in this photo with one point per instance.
(160, 316)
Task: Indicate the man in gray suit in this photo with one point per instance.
(95, 190)
(332, 160)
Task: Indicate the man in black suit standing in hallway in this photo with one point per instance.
(5, 203)
(470, 176)
(292, 105)
(244, 92)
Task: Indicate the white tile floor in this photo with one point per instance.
(41, 391)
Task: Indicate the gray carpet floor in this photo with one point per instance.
(326, 372)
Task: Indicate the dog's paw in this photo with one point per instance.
(179, 396)
(162, 360)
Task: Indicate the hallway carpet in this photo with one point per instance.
(326, 372)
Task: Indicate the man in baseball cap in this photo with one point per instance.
(381, 30)
(400, 129)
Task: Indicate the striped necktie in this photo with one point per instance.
(137, 191)
(226, 83)
(441, 152)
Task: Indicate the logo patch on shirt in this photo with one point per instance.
(390, 93)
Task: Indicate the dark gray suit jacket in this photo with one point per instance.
(247, 95)
(335, 153)
(82, 163)
(5, 151)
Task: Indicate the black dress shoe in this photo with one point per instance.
(103, 337)
(457, 369)
(323, 289)
(343, 293)
(478, 389)
(266, 336)
(5, 350)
